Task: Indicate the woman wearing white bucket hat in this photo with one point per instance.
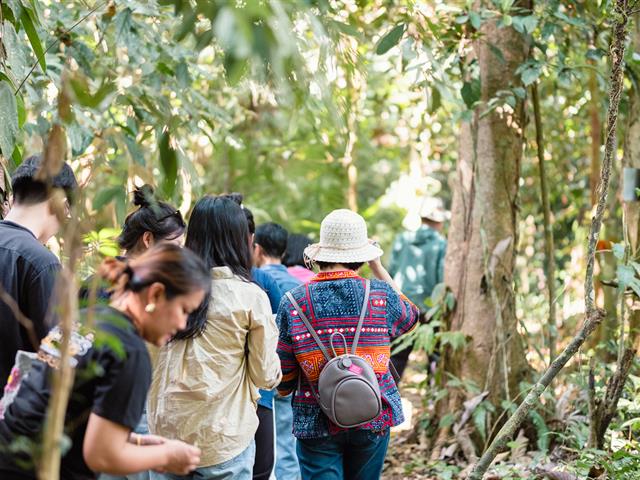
(332, 303)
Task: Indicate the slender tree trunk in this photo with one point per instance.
(480, 254)
(595, 133)
(605, 296)
(548, 228)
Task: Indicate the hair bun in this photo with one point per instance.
(113, 270)
(143, 196)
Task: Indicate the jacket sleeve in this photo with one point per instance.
(288, 361)
(440, 266)
(402, 314)
(262, 340)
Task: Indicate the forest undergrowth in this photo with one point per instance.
(551, 446)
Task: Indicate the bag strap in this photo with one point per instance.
(307, 324)
(367, 291)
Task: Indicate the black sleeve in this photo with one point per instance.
(40, 293)
(121, 393)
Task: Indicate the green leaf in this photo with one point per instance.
(84, 97)
(455, 339)
(525, 25)
(575, 21)
(497, 52)
(79, 137)
(105, 196)
(476, 21)
(34, 38)
(507, 20)
(9, 119)
(345, 28)
(519, 92)
(16, 57)
(235, 67)
(470, 92)
(542, 430)
(390, 39)
(22, 113)
(447, 420)
(169, 163)
(435, 100)
(529, 72)
(479, 416)
(626, 275)
(618, 250)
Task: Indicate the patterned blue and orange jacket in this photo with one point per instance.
(332, 302)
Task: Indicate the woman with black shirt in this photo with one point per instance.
(152, 296)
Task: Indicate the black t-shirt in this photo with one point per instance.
(111, 380)
(27, 273)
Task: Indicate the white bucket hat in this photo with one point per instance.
(433, 209)
(343, 239)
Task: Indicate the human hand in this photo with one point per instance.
(376, 264)
(182, 458)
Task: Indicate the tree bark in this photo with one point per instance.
(480, 254)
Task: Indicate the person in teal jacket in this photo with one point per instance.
(417, 262)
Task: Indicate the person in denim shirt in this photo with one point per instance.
(270, 243)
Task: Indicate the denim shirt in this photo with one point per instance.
(270, 286)
(281, 275)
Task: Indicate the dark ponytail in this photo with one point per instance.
(162, 220)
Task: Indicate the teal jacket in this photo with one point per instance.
(417, 263)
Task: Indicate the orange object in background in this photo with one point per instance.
(604, 245)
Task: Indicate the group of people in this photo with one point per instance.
(208, 341)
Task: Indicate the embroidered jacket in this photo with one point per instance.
(332, 302)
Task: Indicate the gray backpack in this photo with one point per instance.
(348, 390)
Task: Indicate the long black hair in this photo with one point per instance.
(162, 220)
(294, 254)
(219, 234)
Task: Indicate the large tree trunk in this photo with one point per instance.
(480, 253)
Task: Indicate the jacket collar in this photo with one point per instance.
(339, 275)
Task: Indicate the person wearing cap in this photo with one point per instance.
(417, 262)
(332, 301)
(29, 269)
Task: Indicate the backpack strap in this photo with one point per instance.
(313, 333)
(310, 328)
(367, 291)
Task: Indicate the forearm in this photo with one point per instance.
(128, 459)
(382, 274)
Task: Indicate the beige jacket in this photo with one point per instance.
(204, 390)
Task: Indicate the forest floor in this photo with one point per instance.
(408, 455)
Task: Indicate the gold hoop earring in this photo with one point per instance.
(150, 308)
